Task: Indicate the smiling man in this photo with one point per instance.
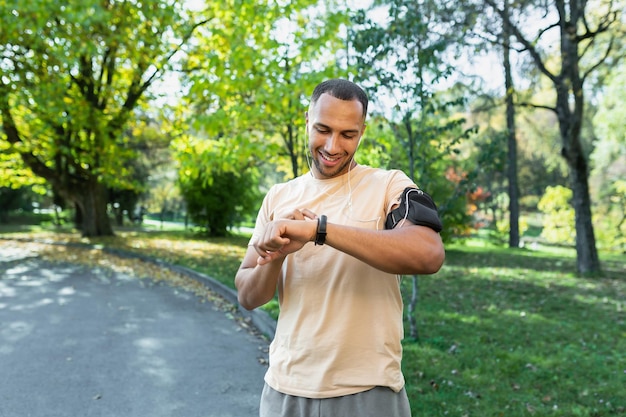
(333, 243)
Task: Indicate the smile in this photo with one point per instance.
(327, 158)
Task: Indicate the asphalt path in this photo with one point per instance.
(82, 342)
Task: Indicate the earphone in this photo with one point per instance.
(349, 197)
(406, 204)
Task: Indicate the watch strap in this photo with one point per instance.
(320, 236)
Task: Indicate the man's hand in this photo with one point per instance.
(286, 235)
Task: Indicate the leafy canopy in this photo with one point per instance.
(72, 72)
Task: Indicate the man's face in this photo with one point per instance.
(334, 128)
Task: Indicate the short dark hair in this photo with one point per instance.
(343, 90)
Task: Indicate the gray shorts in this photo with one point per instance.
(377, 402)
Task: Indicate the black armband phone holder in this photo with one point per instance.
(417, 207)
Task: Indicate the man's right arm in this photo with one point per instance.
(256, 284)
(258, 275)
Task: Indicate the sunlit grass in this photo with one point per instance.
(518, 333)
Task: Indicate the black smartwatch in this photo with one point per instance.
(320, 237)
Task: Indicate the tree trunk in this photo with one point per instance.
(586, 252)
(587, 258)
(92, 203)
(570, 110)
(512, 142)
(568, 85)
(587, 255)
(291, 142)
(413, 332)
(57, 215)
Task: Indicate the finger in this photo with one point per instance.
(261, 252)
(268, 257)
(263, 260)
(297, 215)
(271, 246)
(308, 214)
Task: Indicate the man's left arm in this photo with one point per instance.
(406, 249)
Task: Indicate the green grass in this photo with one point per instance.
(517, 333)
(501, 332)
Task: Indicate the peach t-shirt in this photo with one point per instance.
(340, 326)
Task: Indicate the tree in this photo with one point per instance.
(255, 73)
(71, 75)
(580, 27)
(402, 59)
(218, 180)
(511, 136)
(150, 142)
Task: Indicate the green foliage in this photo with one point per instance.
(11, 199)
(503, 227)
(149, 142)
(609, 165)
(379, 145)
(610, 218)
(221, 203)
(402, 60)
(81, 91)
(429, 149)
(405, 51)
(13, 172)
(558, 221)
(218, 180)
(254, 70)
(566, 63)
(72, 74)
(539, 161)
(486, 167)
(610, 123)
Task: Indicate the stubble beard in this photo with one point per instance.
(329, 172)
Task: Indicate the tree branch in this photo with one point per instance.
(159, 68)
(601, 61)
(537, 106)
(137, 89)
(521, 39)
(605, 23)
(13, 137)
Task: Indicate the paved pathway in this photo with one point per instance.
(84, 342)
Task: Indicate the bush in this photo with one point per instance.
(558, 219)
(228, 199)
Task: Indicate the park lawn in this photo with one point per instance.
(501, 332)
(517, 333)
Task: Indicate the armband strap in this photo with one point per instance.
(417, 207)
(320, 237)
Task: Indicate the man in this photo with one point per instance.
(333, 242)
